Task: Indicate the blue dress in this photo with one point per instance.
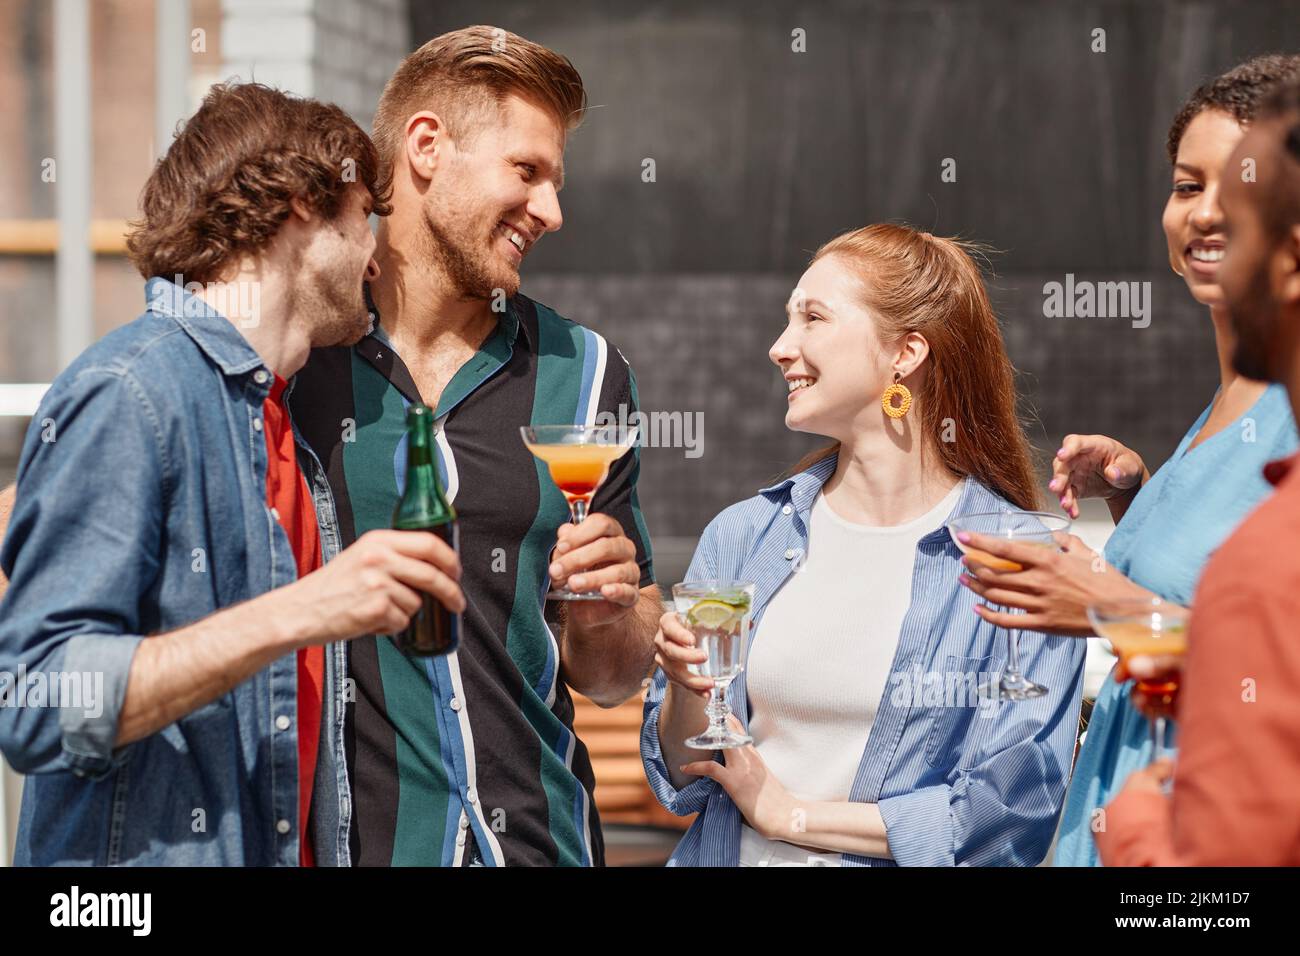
(1178, 519)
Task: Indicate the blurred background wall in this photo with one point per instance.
(771, 126)
(760, 153)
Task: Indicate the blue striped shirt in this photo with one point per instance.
(958, 781)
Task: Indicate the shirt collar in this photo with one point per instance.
(215, 334)
(802, 490)
(510, 323)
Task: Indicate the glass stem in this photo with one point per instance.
(578, 509)
(1013, 655)
(717, 710)
(1157, 738)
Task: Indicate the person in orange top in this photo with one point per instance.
(1234, 796)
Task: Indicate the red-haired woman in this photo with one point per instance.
(862, 754)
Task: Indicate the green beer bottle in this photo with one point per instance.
(433, 629)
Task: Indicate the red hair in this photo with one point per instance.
(916, 282)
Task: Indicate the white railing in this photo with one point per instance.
(21, 400)
(11, 787)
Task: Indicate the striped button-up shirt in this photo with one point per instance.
(958, 780)
(473, 752)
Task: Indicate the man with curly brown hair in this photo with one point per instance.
(163, 640)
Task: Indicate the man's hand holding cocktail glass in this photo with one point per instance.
(1053, 586)
(597, 556)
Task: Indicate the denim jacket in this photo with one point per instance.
(141, 508)
(958, 780)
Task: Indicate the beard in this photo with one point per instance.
(1254, 318)
(337, 307)
(464, 252)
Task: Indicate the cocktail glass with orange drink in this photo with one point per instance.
(578, 458)
(1149, 627)
(1025, 527)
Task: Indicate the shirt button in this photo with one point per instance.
(275, 513)
(464, 822)
(454, 703)
(790, 553)
(786, 510)
(471, 795)
(460, 838)
(282, 722)
(257, 424)
(260, 376)
(282, 827)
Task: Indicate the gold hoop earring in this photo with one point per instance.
(905, 399)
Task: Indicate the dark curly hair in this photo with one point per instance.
(1240, 93)
(1282, 208)
(224, 187)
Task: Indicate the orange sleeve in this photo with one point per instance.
(1138, 831)
(1238, 768)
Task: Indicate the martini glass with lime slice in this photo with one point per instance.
(717, 613)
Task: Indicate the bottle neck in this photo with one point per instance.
(423, 501)
(419, 448)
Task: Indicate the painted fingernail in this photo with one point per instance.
(963, 537)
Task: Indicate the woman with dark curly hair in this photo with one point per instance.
(1169, 523)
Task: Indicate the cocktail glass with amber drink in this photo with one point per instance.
(1150, 628)
(1026, 527)
(578, 458)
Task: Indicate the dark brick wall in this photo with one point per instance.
(762, 153)
(699, 343)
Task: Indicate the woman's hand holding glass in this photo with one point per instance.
(1094, 466)
(675, 652)
(1054, 587)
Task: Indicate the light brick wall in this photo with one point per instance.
(341, 51)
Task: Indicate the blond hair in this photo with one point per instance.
(463, 76)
